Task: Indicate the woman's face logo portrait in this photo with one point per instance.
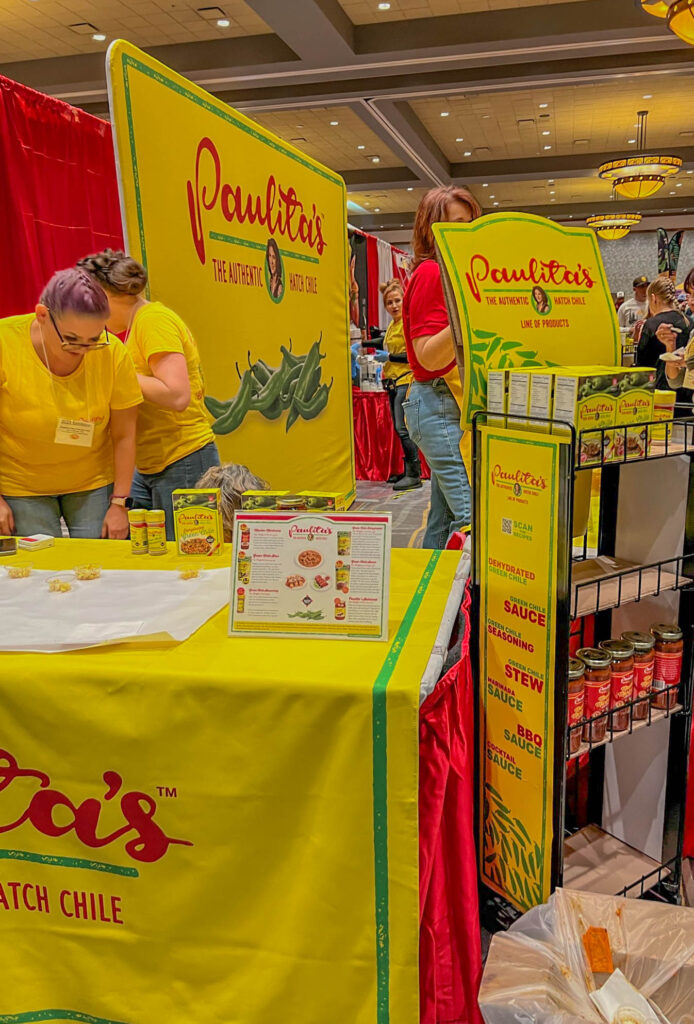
(274, 271)
(541, 301)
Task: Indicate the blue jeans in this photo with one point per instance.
(154, 490)
(433, 420)
(83, 512)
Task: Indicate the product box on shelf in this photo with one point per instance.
(587, 398)
(634, 407)
(518, 399)
(331, 501)
(497, 384)
(198, 521)
(663, 410)
(261, 499)
(295, 501)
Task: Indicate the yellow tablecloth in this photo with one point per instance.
(217, 832)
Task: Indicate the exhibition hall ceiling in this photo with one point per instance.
(519, 99)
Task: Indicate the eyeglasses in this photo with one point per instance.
(88, 346)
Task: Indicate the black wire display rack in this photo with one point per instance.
(584, 613)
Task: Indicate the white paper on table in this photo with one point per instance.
(151, 606)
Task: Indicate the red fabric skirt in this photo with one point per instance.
(450, 956)
(377, 448)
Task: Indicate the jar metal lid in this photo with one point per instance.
(619, 650)
(593, 657)
(576, 668)
(643, 642)
(666, 632)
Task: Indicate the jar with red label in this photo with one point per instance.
(621, 681)
(577, 671)
(667, 670)
(644, 661)
(597, 691)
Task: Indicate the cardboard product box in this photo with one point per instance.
(198, 521)
(663, 410)
(497, 384)
(634, 407)
(587, 397)
(540, 397)
(518, 398)
(328, 501)
(262, 499)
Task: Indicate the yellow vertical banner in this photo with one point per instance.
(524, 291)
(246, 238)
(518, 555)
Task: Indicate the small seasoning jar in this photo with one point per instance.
(138, 531)
(667, 670)
(597, 680)
(156, 531)
(621, 681)
(644, 661)
(577, 693)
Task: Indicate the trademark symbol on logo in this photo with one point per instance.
(167, 791)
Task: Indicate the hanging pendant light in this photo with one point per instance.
(659, 8)
(641, 176)
(612, 226)
(680, 20)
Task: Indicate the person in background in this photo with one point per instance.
(662, 299)
(619, 301)
(68, 410)
(680, 373)
(232, 480)
(175, 443)
(636, 308)
(397, 377)
(432, 408)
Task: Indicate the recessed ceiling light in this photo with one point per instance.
(553, 193)
(223, 22)
(492, 197)
(467, 153)
(375, 159)
(548, 147)
(673, 193)
(99, 37)
(631, 141)
(543, 106)
(445, 113)
(384, 7)
(678, 185)
(550, 181)
(377, 209)
(361, 147)
(485, 117)
(648, 96)
(486, 185)
(334, 123)
(496, 204)
(546, 133)
(410, 189)
(460, 139)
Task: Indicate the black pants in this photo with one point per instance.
(397, 396)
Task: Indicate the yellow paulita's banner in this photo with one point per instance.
(246, 238)
(523, 291)
(517, 573)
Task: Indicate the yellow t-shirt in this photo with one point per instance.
(31, 401)
(394, 342)
(164, 436)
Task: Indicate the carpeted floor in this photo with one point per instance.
(409, 509)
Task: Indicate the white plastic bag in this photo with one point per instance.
(538, 972)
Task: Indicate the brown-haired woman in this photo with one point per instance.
(397, 377)
(432, 409)
(662, 307)
(175, 443)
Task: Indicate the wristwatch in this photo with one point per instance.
(117, 499)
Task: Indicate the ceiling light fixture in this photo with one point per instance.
(546, 133)
(486, 184)
(638, 177)
(613, 225)
(543, 106)
(384, 7)
(361, 147)
(467, 153)
(99, 37)
(377, 209)
(460, 140)
(548, 147)
(375, 159)
(445, 113)
(223, 23)
(334, 123)
(679, 15)
(410, 188)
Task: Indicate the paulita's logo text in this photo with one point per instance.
(309, 531)
(279, 210)
(148, 843)
(540, 272)
(519, 476)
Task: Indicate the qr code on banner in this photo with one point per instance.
(507, 526)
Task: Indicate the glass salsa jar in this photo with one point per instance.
(667, 670)
(577, 693)
(621, 681)
(644, 661)
(597, 691)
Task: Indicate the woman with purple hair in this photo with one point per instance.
(68, 411)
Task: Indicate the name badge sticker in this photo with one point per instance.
(74, 432)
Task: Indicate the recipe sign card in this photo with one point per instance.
(310, 575)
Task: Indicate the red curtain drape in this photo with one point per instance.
(450, 956)
(58, 191)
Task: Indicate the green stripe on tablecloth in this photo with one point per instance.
(380, 792)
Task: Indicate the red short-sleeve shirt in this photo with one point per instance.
(424, 313)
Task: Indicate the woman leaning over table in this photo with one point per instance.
(175, 443)
(432, 409)
(68, 410)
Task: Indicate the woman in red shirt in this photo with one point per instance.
(432, 409)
